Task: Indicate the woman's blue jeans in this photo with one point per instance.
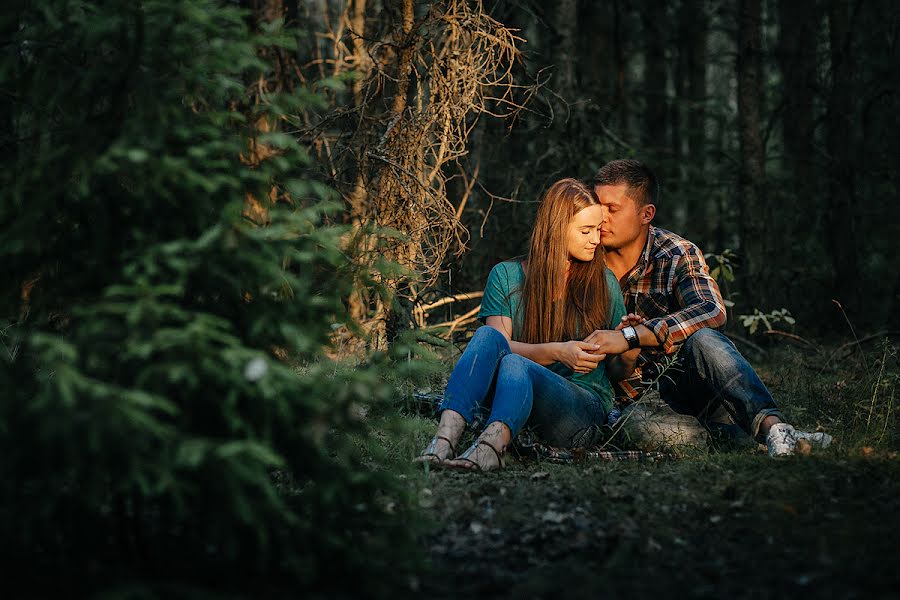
(520, 391)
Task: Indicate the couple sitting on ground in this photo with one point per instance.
(562, 323)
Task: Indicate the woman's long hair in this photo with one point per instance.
(554, 309)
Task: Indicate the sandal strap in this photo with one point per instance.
(430, 450)
(471, 450)
(496, 452)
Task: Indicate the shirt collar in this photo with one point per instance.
(641, 267)
(645, 255)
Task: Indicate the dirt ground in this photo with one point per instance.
(716, 526)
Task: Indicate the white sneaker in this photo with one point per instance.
(819, 439)
(782, 439)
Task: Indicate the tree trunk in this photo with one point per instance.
(680, 85)
(565, 19)
(357, 198)
(753, 209)
(257, 209)
(695, 23)
(841, 238)
(654, 138)
(621, 67)
(595, 72)
(407, 50)
(796, 53)
(799, 20)
(697, 67)
(391, 183)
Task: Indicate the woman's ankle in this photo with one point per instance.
(451, 426)
(498, 435)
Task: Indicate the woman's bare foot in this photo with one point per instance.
(443, 444)
(438, 450)
(486, 453)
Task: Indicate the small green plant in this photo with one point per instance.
(723, 272)
(878, 409)
(752, 322)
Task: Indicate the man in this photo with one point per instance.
(676, 310)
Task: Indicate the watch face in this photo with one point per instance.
(631, 337)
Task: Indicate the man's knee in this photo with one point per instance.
(709, 348)
(706, 340)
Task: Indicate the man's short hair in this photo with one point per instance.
(642, 183)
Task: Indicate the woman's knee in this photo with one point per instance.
(513, 367)
(514, 361)
(487, 334)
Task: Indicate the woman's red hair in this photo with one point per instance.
(556, 308)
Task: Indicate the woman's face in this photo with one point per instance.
(583, 235)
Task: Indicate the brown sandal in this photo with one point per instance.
(432, 457)
(465, 456)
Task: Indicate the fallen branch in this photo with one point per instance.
(449, 299)
(858, 344)
(459, 321)
(867, 338)
(747, 342)
(421, 312)
(794, 338)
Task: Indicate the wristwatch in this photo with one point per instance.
(631, 337)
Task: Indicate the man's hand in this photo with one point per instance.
(630, 320)
(581, 357)
(608, 341)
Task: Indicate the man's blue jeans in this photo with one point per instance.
(520, 391)
(718, 386)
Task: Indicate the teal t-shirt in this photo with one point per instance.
(502, 297)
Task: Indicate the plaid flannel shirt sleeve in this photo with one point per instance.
(698, 295)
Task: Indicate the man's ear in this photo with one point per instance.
(647, 213)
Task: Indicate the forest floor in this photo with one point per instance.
(716, 524)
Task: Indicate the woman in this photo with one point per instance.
(528, 361)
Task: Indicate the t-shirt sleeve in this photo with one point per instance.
(616, 301)
(496, 300)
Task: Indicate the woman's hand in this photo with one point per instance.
(579, 356)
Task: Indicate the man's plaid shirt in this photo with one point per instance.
(670, 287)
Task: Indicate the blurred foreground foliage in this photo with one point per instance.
(148, 434)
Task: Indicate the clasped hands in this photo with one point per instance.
(584, 356)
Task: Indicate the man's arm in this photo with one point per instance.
(701, 301)
(702, 306)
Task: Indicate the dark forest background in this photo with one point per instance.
(772, 125)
